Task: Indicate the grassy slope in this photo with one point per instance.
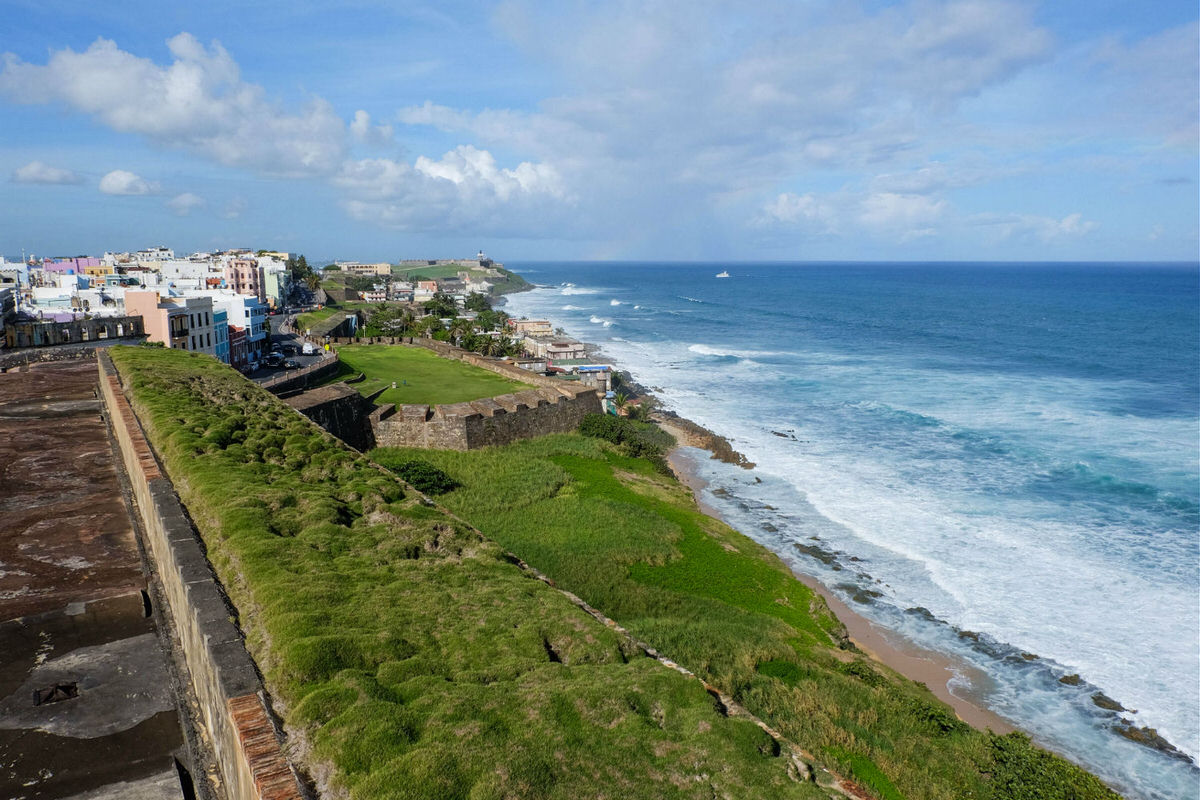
(416, 660)
(309, 318)
(632, 542)
(420, 375)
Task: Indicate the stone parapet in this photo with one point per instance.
(224, 678)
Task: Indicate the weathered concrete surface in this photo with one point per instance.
(66, 532)
(72, 608)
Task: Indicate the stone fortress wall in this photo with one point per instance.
(223, 676)
(554, 406)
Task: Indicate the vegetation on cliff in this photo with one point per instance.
(630, 541)
(409, 657)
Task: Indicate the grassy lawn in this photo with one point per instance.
(310, 318)
(420, 375)
(631, 542)
(405, 648)
(427, 273)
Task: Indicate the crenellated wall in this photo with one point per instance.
(223, 676)
(484, 423)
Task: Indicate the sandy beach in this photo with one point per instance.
(935, 670)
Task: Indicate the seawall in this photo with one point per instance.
(223, 676)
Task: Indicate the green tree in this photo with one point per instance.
(477, 302)
(441, 305)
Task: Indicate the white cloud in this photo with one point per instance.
(795, 210)
(122, 182)
(184, 204)
(199, 103)
(38, 172)
(1031, 226)
(464, 190)
(907, 213)
(364, 131)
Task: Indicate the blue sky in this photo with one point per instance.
(976, 130)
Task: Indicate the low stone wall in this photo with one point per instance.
(484, 423)
(224, 678)
(340, 410)
(300, 379)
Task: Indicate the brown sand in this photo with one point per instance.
(933, 669)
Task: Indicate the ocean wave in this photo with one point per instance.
(570, 307)
(608, 323)
(720, 352)
(690, 299)
(571, 290)
(615, 303)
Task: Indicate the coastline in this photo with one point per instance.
(934, 670)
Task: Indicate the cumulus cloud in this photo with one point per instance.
(122, 182)
(364, 131)
(465, 189)
(38, 172)
(199, 103)
(184, 204)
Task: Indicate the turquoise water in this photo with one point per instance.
(1009, 450)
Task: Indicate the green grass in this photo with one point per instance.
(413, 657)
(428, 273)
(310, 318)
(631, 542)
(421, 376)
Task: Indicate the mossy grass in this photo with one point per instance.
(421, 376)
(632, 542)
(414, 657)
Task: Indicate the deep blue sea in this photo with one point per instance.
(1007, 450)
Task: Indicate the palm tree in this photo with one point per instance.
(620, 400)
(461, 329)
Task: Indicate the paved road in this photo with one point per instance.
(280, 339)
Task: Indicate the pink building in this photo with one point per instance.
(244, 276)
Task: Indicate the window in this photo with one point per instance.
(193, 347)
(210, 340)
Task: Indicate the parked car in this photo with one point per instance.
(309, 349)
(289, 364)
(275, 359)
(288, 350)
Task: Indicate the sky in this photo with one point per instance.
(845, 130)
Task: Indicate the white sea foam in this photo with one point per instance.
(615, 302)
(921, 472)
(570, 307)
(573, 290)
(595, 320)
(722, 352)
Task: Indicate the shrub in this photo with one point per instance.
(425, 477)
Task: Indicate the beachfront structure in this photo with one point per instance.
(531, 327)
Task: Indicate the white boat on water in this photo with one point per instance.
(723, 274)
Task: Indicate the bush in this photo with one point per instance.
(425, 477)
(637, 439)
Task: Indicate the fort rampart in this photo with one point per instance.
(224, 679)
(554, 406)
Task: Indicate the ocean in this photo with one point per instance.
(1000, 462)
